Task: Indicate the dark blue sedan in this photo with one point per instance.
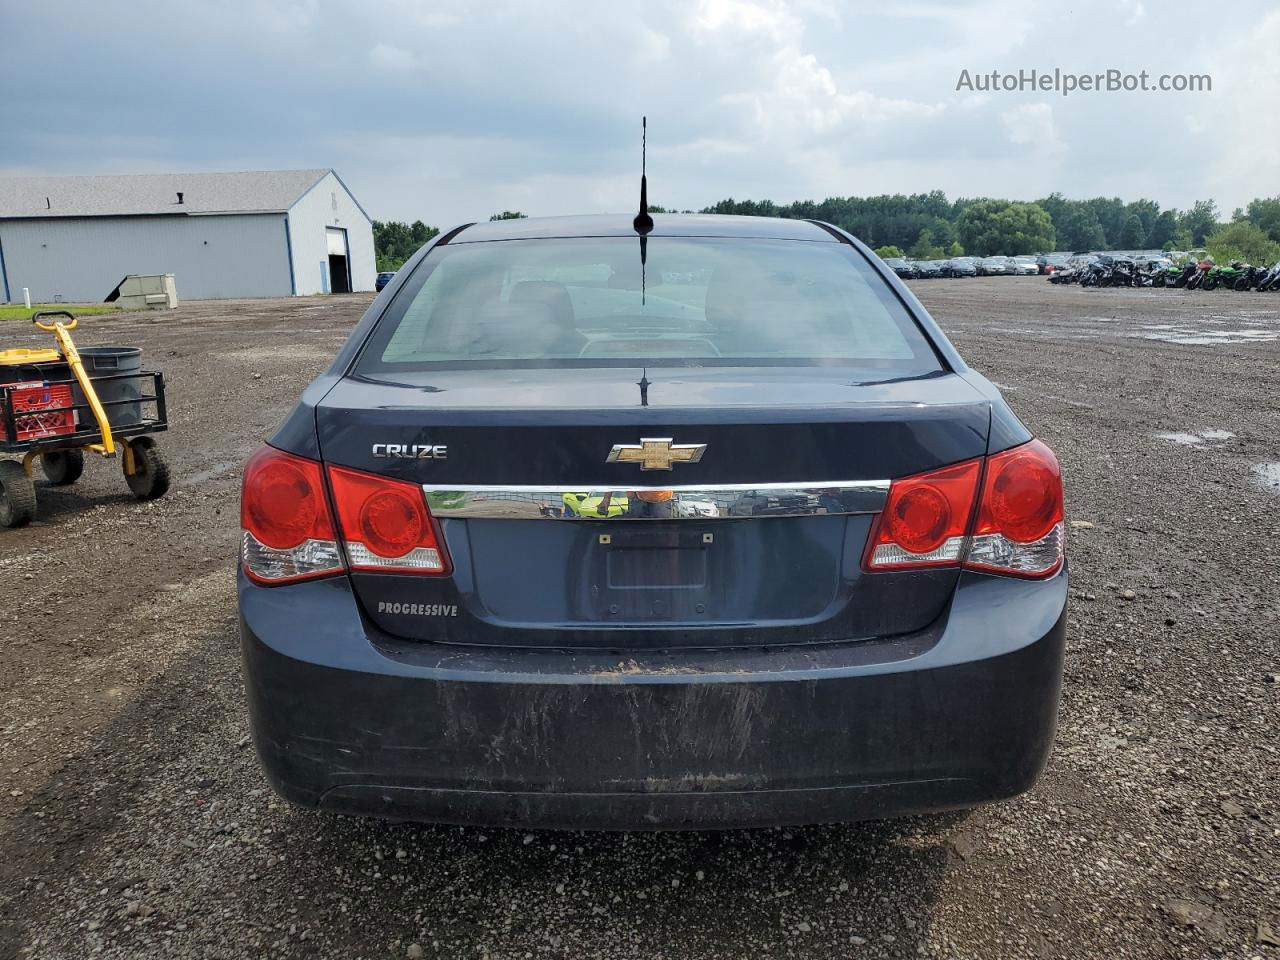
(708, 526)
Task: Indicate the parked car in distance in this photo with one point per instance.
(794, 573)
(1025, 266)
(928, 269)
(906, 269)
(994, 267)
(383, 280)
(1052, 262)
(959, 267)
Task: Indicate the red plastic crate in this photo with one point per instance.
(39, 411)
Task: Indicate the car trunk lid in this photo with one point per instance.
(756, 540)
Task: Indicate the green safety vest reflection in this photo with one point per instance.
(584, 505)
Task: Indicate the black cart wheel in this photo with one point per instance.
(17, 495)
(150, 478)
(62, 467)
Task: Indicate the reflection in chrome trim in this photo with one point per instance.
(721, 501)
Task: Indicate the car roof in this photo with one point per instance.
(664, 225)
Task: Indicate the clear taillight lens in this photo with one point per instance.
(386, 525)
(287, 534)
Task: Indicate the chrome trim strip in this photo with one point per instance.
(726, 501)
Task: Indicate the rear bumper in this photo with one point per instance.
(348, 719)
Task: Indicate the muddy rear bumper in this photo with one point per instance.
(348, 719)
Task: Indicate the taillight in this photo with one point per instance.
(287, 531)
(385, 524)
(929, 520)
(925, 519)
(1018, 529)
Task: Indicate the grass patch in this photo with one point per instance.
(79, 309)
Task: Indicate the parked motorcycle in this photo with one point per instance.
(1173, 275)
(1197, 279)
(1223, 276)
(1249, 278)
(1271, 282)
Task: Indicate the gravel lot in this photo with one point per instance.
(134, 821)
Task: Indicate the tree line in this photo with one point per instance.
(395, 242)
(928, 226)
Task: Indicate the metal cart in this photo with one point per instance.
(51, 408)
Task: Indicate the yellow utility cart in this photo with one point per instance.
(54, 406)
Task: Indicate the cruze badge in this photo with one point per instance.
(656, 453)
(411, 451)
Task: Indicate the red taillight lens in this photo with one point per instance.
(283, 502)
(392, 523)
(919, 519)
(385, 524)
(925, 519)
(287, 531)
(1022, 494)
(1018, 529)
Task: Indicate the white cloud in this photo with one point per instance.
(1032, 124)
(770, 19)
(786, 92)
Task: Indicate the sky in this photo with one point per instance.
(450, 111)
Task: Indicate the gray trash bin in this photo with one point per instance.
(114, 362)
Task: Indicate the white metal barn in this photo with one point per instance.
(264, 234)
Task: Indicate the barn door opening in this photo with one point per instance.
(339, 262)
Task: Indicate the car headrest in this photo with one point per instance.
(555, 296)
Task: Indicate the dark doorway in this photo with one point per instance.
(339, 260)
(338, 282)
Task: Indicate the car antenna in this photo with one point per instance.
(643, 223)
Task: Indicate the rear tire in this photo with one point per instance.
(62, 467)
(151, 480)
(17, 495)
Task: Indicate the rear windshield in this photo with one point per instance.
(694, 301)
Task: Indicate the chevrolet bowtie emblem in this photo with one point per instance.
(656, 453)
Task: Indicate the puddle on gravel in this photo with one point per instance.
(1207, 330)
(1226, 336)
(1202, 439)
(1267, 476)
